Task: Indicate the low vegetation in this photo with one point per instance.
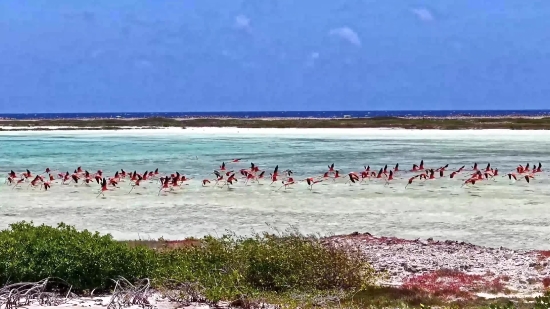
(286, 268)
(224, 267)
(86, 260)
(375, 122)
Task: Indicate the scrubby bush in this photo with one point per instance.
(84, 259)
(225, 267)
(236, 265)
(297, 262)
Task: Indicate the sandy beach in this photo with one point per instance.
(513, 273)
(279, 132)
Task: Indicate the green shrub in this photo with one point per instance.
(85, 260)
(234, 265)
(295, 262)
(224, 267)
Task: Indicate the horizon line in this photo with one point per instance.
(282, 111)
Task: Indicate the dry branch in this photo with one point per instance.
(22, 294)
(126, 294)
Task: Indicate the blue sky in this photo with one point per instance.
(113, 56)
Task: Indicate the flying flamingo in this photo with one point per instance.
(165, 184)
(287, 183)
(336, 175)
(411, 180)
(46, 185)
(311, 181)
(274, 175)
(20, 181)
(421, 167)
(470, 180)
(103, 188)
(353, 177)
(390, 178)
(229, 181)
(136, 183)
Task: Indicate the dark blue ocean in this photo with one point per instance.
(282, 114)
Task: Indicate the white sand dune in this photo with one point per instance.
(366, 133)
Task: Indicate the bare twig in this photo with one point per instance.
(21, 294)
(126, 294)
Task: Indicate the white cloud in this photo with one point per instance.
(347, 34)
(311, 59)
(423, 14)
(242, 22)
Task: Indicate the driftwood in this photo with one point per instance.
(22, 294)
(47, 293)
(126, 294)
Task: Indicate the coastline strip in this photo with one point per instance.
(448, 123)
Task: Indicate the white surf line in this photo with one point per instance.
(359, 133)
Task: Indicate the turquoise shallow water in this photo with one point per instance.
(495, 213)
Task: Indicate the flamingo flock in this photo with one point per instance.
(232, 174)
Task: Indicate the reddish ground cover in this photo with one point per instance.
(543, 254)
(451, 283)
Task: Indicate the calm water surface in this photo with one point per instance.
(493, 213)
